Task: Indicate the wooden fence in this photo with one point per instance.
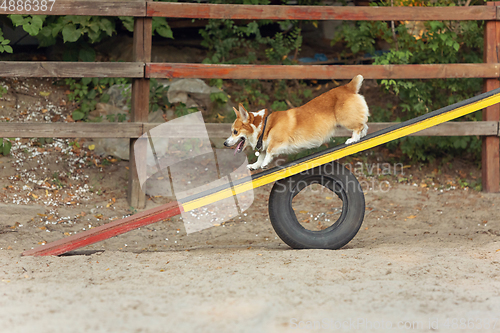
(141, 69)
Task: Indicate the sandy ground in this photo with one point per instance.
(422, 257)
(427, 257)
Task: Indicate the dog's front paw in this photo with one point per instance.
(252, 167)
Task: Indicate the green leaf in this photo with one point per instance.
(107, 26)
(6, 147)
(71, 33)
(92, 94)
(219, 97)
(78, 115)
(37, 22)
(7, 48)
(307, 93)
(46, 32)
(82, 20)
(443, 37)
(94, 36)
(85, 108)
(17, 20)
(161, 27)
(165, 31)
(87, 54)
(94, 26)
(105, 98)
(86, 80)
(435, 25)
(56, 28)
(30, 29)
(128, 22)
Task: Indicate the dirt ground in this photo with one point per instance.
(420, 256)
(427, 257)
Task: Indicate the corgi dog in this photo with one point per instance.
(308, 126)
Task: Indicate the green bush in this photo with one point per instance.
(4, 47)
(436, 43)
(79, 32)
(231, 42)
(87, 92)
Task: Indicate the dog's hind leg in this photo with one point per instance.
(364, 130)
(357, 134)
(355, 117)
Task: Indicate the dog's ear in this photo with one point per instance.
(236, 112)
(243, 113)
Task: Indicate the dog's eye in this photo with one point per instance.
(235, 132)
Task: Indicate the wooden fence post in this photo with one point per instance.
(491, 144)
(140, 104)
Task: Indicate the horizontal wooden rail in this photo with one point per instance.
(250, 12)
(181, 70)
(71, 130)
(69, 7)
(466, 128)
(134, 130)
(322, 72)
(267, 12)
(71, 69)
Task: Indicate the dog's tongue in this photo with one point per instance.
(238, 147)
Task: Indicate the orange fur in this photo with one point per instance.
(304, 127)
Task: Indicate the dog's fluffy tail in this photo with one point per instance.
(355, 84)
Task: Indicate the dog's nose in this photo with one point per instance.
(225, 144)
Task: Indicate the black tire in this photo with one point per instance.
(340, 181)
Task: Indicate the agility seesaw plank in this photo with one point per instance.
(106, 231)
(245, 184)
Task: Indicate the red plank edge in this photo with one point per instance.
(107, 230)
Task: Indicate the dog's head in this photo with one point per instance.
(245, 129)
(240, 130)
